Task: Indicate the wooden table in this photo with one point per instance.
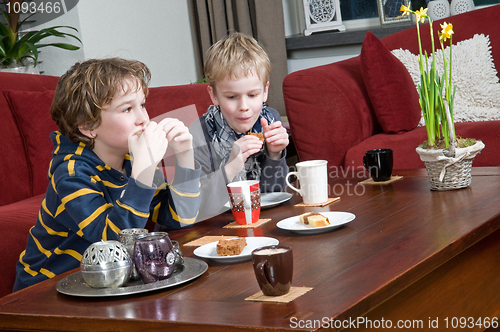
(412, 256)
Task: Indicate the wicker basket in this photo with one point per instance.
(447, 173)
(457, 175)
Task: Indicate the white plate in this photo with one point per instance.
(336, 220)
(269, 200)
(209, 250)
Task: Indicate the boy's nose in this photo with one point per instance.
(142, 117)
(244, 104)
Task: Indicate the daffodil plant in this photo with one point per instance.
(434, 105)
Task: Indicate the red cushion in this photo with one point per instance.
(16, 221)
(31, 109)
(15, 171)
(392, 92)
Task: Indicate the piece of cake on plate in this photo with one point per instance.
(231, 247)
(314, 219)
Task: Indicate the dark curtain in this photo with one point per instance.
(262, 19)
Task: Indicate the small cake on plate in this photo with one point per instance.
(231, 247)
(314, 219)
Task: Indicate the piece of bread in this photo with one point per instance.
(314, 219)
(231, 247)
(259, 135)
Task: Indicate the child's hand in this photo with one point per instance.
(276, 138)
(147, 151)
(242, 149)
(180, 139)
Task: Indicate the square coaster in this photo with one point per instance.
(328, 202)
(294, 293)
(391, 180)
(208, 239)
(259, 222)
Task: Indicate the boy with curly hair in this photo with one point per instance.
(103, 173)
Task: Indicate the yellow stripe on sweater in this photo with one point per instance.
(184, 194)
(26, 266)
(49, 230)
(39, 245)
(96, 178)
(78, 193)
(91, 218)
(112, 226)
(75, 254)
(47, 273)
(71, 168)
(188, 221)
(131, 209)
(156, 212)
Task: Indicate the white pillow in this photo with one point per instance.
(478, 89)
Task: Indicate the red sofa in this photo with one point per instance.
(26, 149)
(340, 110)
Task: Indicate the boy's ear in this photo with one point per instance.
(86, 132)
(266, 91)
(212, 95)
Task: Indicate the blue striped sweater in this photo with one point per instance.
(87, 201)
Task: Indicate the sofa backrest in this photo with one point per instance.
(328, 106)
(328, 110)
(26, 123)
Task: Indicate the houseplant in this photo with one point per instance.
(17, 49)
(448, 160)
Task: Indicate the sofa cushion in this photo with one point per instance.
(15, 173)
(16, 219)
(477, 97)
(392, 92)
(31, 110)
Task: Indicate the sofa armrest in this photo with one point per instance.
(329, 110)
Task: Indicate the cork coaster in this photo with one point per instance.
(328, 202)
(294, 293)
(393, 178)
(259, 222)
(208, 239)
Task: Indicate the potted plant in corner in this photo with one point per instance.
(448, 159)
(21, 50)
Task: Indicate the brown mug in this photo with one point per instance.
(273, 267)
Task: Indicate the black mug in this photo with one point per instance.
(378, 163)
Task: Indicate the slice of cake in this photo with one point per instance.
(231, 247)
(259, 135)
(314, 219)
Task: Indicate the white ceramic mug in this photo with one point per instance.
(313, 179)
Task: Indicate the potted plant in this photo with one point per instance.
(448, 159)
(17, 49)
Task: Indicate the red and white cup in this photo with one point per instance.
(244, 199)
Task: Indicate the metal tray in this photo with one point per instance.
(75, 285)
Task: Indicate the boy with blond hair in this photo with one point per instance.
(226, 138)
(103, 173)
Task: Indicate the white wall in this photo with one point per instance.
(156, 32)
(159, 33)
